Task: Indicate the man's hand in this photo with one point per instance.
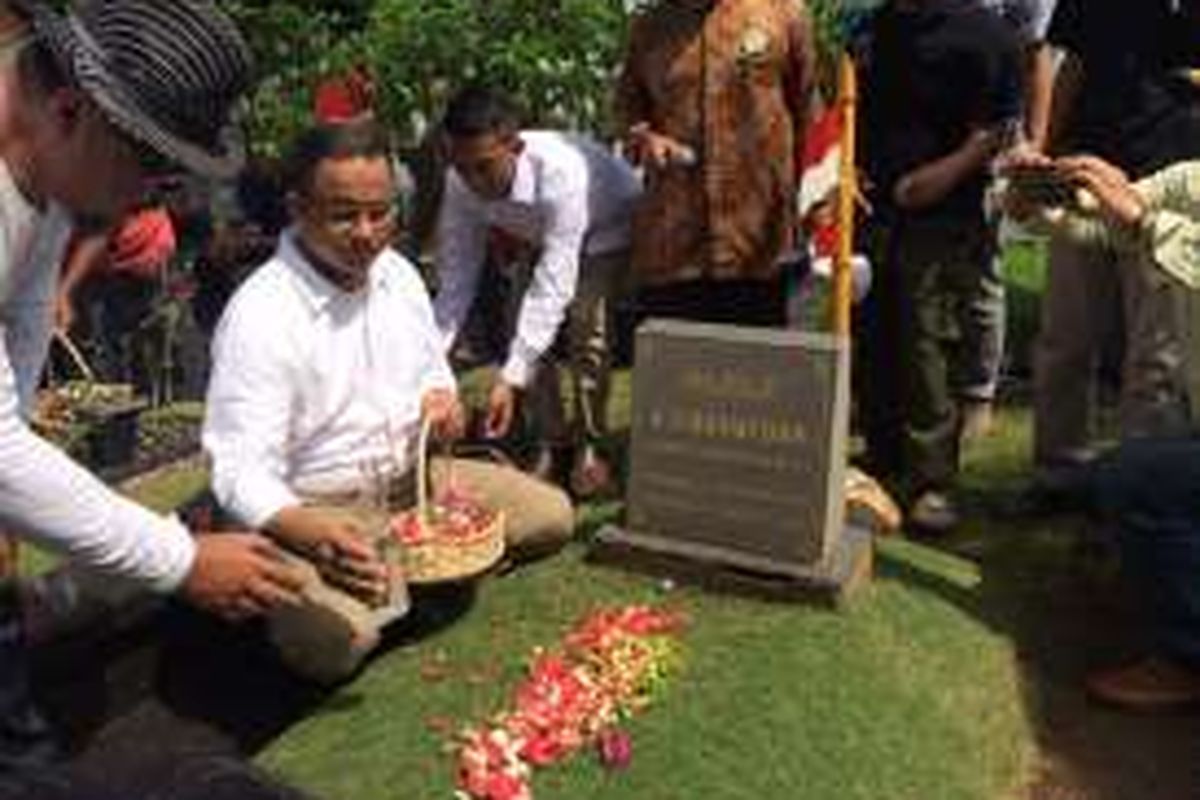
(1118, 200)
(444, 411)
(502, 408)
(656, 151)
(1022, 155)
(337, 547)
(239, 575)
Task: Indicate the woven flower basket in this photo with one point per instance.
(435, 555)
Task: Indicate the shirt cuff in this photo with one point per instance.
(178, 555)
(439, 380)
(518, 370)
(258, 504)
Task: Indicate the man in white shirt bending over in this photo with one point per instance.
(324, 364)
(572, 201)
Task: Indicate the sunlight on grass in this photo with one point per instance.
(911, 692)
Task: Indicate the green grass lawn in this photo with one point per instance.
(901, 696)
(918, 689)
(912, 691)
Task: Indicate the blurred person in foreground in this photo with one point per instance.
(84, 122)
(1122, 93)
(1149, 488)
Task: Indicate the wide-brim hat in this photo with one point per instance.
(165, 72)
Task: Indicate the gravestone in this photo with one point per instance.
(738, 448)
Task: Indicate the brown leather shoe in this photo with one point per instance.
(1151, 685)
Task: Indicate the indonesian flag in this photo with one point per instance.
(820, 176)
(820, 159)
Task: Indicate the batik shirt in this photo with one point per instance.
(730, 79)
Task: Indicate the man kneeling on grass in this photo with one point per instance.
(324, 365)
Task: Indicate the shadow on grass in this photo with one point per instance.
(1052, 588)
(182, 684)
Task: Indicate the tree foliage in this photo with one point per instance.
(557, 57)
(295, 43)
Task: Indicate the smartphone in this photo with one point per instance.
(1044, 186)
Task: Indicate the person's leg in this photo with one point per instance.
(589, 326)
(219, 777)
(1153, 395)
(927, 258)
(876, 373)
(538, 517)
(26, 740)
(327, 635)
(759, 303)
(56, 782)
(1080, 290)
(1147, 489)
(982, 324)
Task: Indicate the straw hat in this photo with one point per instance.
(165, 72)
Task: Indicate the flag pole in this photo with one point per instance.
(847, 194)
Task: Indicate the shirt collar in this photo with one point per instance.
(315, 288)
(524, 181)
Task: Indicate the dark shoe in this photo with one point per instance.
(592, 476)
(1148, 686)
(932, 514)
(1055, 491)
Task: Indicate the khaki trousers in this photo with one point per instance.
(917, 355)
(328, 635)
(589, 328)
(1089, 289)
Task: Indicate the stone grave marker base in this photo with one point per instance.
(837, 579)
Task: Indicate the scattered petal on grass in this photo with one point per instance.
(614, 747)
(608, 667)
(442, 726)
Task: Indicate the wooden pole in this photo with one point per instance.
(847, 194)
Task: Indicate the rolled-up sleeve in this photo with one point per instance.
(1171, 229)
(49, 499)
(247, 417)
(1174, 241)
(555, 276)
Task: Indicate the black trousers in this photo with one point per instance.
(25, 737)
(758, 303)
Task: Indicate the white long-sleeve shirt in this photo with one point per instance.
(44, 495)
(312, 387)
(570, 198)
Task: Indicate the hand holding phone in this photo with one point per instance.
(1042, 185)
